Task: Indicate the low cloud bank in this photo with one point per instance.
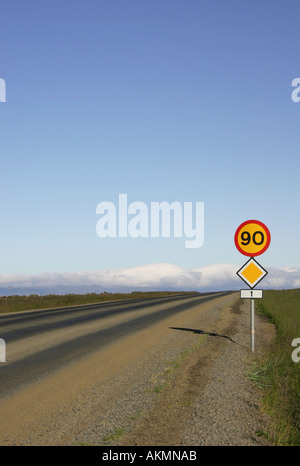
(160, 276)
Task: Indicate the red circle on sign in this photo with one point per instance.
(239, 244)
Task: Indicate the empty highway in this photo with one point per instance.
(40, 342)
(57, 357)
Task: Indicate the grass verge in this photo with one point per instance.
(161, 380)
(278, 375)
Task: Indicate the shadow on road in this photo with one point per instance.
(203, 332)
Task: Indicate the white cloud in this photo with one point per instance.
(150, 276)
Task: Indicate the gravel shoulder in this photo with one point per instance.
(210, 401)
(228, 410)
(180, 382)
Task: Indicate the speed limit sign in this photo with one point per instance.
(252, 238)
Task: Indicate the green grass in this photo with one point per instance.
(17, 303)
(278, 375)
(115, 435)
(163, 379)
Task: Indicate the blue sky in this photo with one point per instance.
(164, 100)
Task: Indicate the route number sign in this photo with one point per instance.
(252, 238)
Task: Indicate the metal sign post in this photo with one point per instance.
(252, 295)
(252, 238)
(252, 326)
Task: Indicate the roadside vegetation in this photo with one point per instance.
(278, 375)
(17, 303)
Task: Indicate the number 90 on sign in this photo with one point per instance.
(252, 238)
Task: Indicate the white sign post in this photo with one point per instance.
(252, 326)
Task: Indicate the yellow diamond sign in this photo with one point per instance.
(252, 273)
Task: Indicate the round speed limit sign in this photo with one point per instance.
(252, 238)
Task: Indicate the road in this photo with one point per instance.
(55, 356)
(35, 347)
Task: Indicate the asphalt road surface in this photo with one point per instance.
(39, 343)
(121, 373)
